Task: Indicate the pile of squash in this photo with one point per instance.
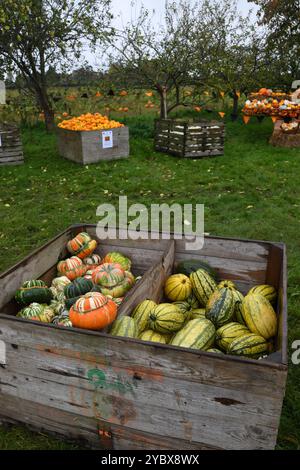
(200, 313)
(85, 294)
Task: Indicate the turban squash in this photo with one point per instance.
(116, 257)
(33, 291)
(32, 312)
(71, 268)
(77, 288)
(60, 282)
(92, 261)
(82, 245)
(112, 279)
(93, 311)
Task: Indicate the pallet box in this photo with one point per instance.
(86, 147)
(189, 139)
(11, 150)
(123, 393)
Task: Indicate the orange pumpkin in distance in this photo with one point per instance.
(93, 311)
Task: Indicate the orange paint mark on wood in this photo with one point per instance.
(188, 430)
(145, 373)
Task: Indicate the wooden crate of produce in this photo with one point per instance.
(11, 152)
(93, 146)
(124, 393)
(189, 139)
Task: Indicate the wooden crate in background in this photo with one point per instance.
(11, 152)
(189, 139)
(87, 146)
(124, 393)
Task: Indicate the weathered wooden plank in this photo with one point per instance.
(161, 419)
(74, 427)
(69, 373)
(213, 246)
(177, 408)
(11, 152)
(132, 353)
(151, 284)
(234, 269)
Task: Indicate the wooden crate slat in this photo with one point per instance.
(172, 409)
(196, 139)
(11, 152)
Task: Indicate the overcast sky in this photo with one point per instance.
(123, 11)
(124, 7)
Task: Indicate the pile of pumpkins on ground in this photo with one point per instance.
(87, 291)
(206, 315)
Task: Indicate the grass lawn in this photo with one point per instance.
(251, 192)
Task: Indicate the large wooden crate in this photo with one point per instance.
(11, 152)
(124, 393)
(87, 146)
(189, 139)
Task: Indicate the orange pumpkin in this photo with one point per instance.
(93, 311)
(82, 245)
(71, 268)
(264, 91)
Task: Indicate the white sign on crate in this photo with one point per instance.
(107, 139)
(2, 92)
(2, 353)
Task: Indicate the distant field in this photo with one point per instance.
(21, 107)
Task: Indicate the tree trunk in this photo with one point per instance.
(235, 108)
(46, 107)
(163, 103)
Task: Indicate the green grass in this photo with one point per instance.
(250, 192)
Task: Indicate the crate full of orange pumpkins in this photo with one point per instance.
(91, 138)
(91, 329)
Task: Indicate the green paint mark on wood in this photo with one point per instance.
(98, 378)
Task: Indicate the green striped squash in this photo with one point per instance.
(150, 335)
(238, 314)
(249, 345)
(178, 287)
(141, 314)
(185, 308)
(166, 318)
(220, 306)
(215, 350)
(191, 265)
(124, 326)
(196, 334)
(225, 283)
(269, 292)
(193, 301)
(35, 291)
(227, 333)
(198, 313)
(259, 315)
(203, 285)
